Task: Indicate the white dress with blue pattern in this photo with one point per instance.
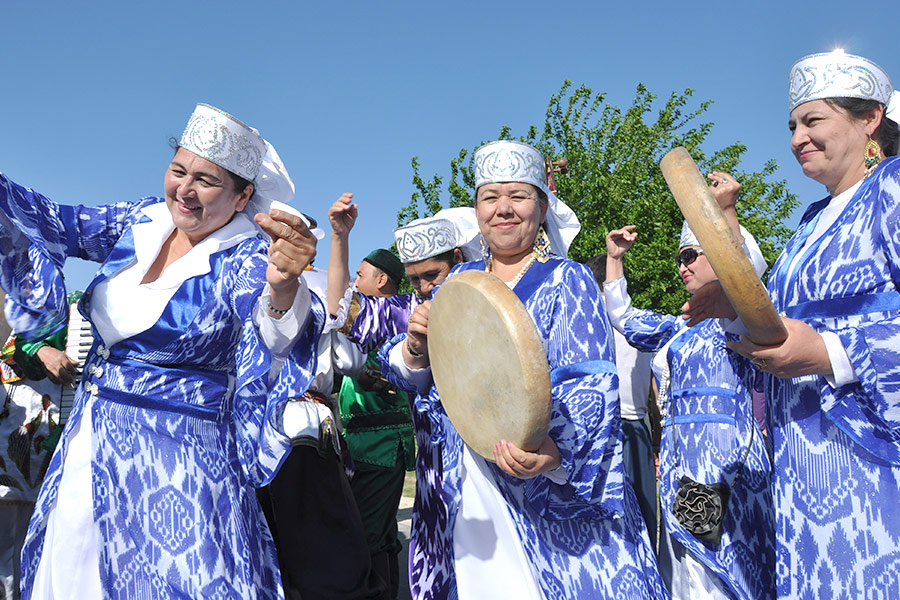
(705, 393)
(837, 449)
(184, 418)
(585, 538)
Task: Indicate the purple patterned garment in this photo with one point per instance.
(837, 450)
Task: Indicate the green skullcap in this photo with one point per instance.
(387, 262)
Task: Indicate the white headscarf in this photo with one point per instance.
(222, 139)
(444, 231)
(750, 247)
(505, 160)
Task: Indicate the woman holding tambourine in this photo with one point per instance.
(833, 386)
(717, 539)
(557, 521)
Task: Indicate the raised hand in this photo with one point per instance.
(292, 249)
(618, 241)
(342, 215)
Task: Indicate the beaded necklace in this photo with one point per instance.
(521, 273)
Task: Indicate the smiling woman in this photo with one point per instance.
(832, 386)
(203, 333)
(556, 522)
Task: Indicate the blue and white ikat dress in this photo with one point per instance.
(578, 534)
(703, 388)
(175, 422)
(837, 444)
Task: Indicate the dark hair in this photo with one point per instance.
(887, 135)
(597, 265)
(392, 286)
(450, 257)
(240, 184)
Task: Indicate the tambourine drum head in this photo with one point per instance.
(488, 363)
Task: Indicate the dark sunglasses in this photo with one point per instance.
(687, 256)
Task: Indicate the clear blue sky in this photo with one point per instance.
(348, 92)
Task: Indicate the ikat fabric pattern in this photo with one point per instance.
(837, 451)
(714, 427)
(586, 538)
(430, 544)
(184, 420)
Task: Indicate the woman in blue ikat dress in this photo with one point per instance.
(557, 523)
(150, 492)
(833, 387)
(706, 389)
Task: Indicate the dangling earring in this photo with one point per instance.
(485, 254)
(542, 246)
(872, 155)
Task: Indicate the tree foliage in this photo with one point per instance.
(614, 180)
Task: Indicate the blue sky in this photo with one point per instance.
(348, 92)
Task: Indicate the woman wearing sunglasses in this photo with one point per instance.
(717, 537)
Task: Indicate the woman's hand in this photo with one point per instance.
(724, 188)
(292, 249)
(342, 216)
(709, 302)
(618, 241)
(415, 351)
(517, 462)
(57, 364)
(802, 353)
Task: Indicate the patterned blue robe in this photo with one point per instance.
(184, 419)
(714, 427)
(586, 538)
(837, 451)
(374, 320)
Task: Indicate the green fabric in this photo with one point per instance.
(26, 352)
(377, 426)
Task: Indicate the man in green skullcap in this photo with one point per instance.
(379, 432)
(379, 274)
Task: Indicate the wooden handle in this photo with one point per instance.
(721, 247)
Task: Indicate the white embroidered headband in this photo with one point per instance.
(221, 139)
(448, 229)
(506, 160)
(838, 75)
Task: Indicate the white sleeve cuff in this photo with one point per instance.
(337, 321)
(843, 372)
(348, 358)
(618, 302)
(420, 378)
(279, 335)
(558, 476)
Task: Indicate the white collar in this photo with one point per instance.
(150, 236)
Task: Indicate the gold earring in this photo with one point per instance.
(872, 155)
(542, 249)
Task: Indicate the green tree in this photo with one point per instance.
(614, 180)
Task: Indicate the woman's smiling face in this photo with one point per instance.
(200, 195)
